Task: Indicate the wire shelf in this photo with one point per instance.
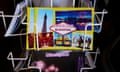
(19, 18)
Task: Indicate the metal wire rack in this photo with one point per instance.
(19, 18)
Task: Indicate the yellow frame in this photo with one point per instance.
(56, 9)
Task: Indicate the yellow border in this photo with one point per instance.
(93, 14)
(60, 48)
(57, 9)
(28, 22)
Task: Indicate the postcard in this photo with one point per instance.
(60, 28)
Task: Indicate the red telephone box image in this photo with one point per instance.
(31, 40)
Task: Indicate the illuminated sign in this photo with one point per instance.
(63, 28)
(58, 54)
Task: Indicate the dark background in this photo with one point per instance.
(108, 40)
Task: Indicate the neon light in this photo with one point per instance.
(57, 54)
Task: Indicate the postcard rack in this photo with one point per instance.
(20, 16)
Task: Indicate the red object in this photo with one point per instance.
(45, 39)
(31, 40)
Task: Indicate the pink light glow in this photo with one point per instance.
(57, 54)
(40, 64)
(52, 68)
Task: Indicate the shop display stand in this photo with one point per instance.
(20, 15)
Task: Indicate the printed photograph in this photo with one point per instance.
(77, 18)
(30, 29)
(45, 40)
(31, 40)
(62, 40)
(81, 40)
(58, 61)
(53, 28)
(44, 21)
